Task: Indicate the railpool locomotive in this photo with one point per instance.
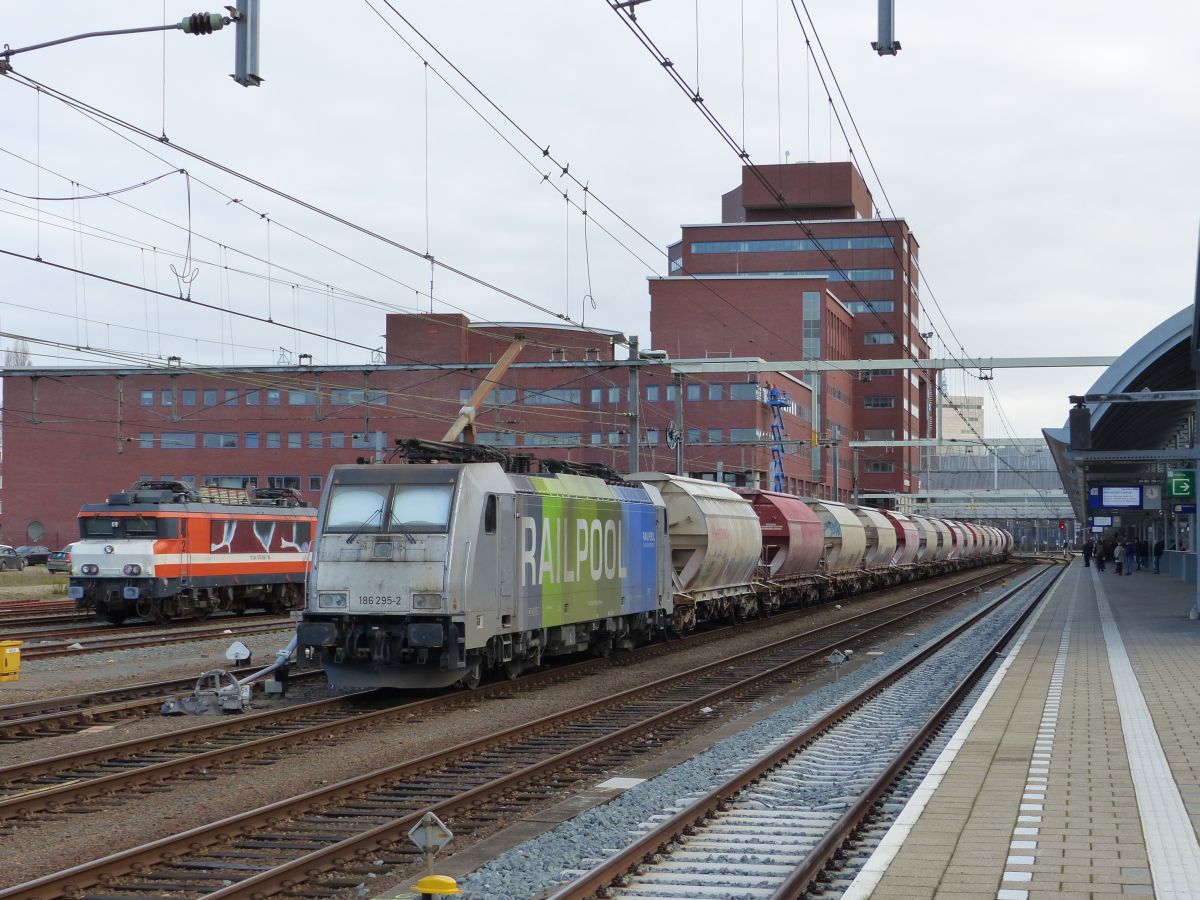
(163, 550)
(428, 575)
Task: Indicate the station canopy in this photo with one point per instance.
(1134, 443)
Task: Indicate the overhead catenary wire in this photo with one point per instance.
(698, 102)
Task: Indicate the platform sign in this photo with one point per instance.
(1184, 509)
(1115, 496)
(1181, 484)
(1101, 520)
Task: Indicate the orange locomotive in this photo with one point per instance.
(163, 550)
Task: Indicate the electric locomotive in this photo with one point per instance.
(163, 550)
(434, 574)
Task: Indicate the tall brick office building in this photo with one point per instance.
(72, 436)
(757, 284)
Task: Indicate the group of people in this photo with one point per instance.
(1124, 556)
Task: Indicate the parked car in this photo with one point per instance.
(10, 558)
(35, 555)
(60, 560)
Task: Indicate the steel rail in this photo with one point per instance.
(816, 861)
(216, 630)
(205, 837)
(130, 630)
(39, 798)
(658, 838)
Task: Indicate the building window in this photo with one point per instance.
(272, 440)
(302, 398)
(879, 373)
(597, 396)
(858, 307)
(210, 397)
(875, 467)
(187, 397)
(879, 337)
(652, 393)
(337, 439)
(252, 398)
(715, 436)
(794, 245)
(367, 441)
(235, 482)
(146, 398)
(670, 393)
(597, 437)
(291, 482)
(614, 395)
(146, 440)
(315, 440)
(345, 397)
(651, 436)
(294, 440)
(743, 435)
(551, 438)
(166, 397)
(693, 392)
(273, 397)
(178, 440)
(693, 436)
(231, 396)
(832, 275)
(879, 402)
(497, 438)
(552, 397)
(502, 397)
(220, 440)
(251, 440)
(614, 437)
(743, 391)
(879, 434)
(716, 392)
(314, 482)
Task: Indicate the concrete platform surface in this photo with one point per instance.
(1077, 773)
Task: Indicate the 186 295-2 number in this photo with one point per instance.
(379, 600)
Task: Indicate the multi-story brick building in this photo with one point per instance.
(72, 436)
(752, 285)
(756, 285)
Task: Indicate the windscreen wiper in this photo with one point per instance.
(362, 527)
(392, 520)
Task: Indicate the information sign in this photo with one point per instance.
(1114, 496)
(1181, 484)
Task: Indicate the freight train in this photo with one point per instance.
(163, 550)
(429, 575)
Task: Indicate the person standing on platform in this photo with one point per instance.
(1119, 556)
(1088, 549)
(1130, 557)
(1101, 554)
(1159, 546)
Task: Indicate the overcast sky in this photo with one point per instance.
(1044, 154)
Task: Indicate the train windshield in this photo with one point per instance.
(127, 526)
(358, 508)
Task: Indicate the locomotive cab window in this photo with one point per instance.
(356, 507)
(421, 507)
(489, 514)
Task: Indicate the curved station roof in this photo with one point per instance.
(1134, 443)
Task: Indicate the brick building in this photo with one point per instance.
(751, 286)
(767, 288)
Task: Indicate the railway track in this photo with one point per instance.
(770, 830)
(102, 629)
(57, 716)
(52, 644)
(333, 836)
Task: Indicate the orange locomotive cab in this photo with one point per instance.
(163, 550)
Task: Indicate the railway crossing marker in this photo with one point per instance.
(430, 835)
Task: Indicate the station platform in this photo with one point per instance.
(1077, 773)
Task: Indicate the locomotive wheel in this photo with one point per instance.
(474, 674)
(513, 669)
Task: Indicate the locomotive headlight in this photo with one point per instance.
(427, 601)
(331, 601)
(89, 569)
(132, 569)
